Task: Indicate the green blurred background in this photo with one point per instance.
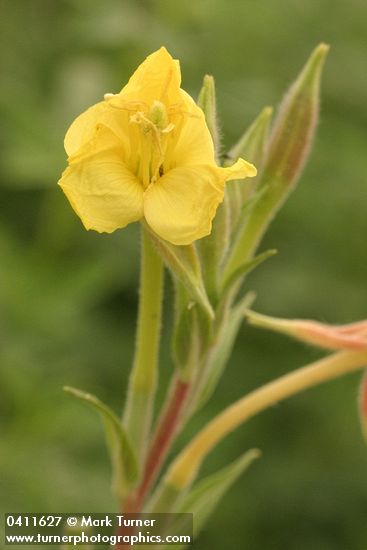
(68, 297)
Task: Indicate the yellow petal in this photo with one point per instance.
(157, 78)
(180, 206)
(192, 143)
(84, 126)
(102, 191)
(238, 171)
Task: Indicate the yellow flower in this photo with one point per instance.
(147, 153)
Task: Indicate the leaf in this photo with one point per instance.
(123, 459)
(204, 497)
(252, 144)
(253, 201)
(214, 248)
(190, 338)
(244, 213)
(219, 354)
(245, 268)
(252, 147)
(184, 264)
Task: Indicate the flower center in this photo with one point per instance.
(154, 129)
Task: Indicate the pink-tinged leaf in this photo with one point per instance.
(359, 327)
(332, 337)
(363, 405)
(328, 336)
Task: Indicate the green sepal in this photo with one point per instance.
(124, 463)
(184, 263)
(205, 496)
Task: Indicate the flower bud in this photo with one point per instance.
(207, 102)
(289, 145)
(314, 333)
(295, 125)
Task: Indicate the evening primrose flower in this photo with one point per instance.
(147, 153)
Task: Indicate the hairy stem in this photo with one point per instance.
(143, 378)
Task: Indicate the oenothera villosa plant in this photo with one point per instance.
(151, 154)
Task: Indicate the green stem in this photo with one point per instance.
(143, 378)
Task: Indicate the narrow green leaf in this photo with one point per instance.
(252, 147)
(123, 459)
(207, 493)
(252, 144)
(214, 248)
(253, 201)
(243, 215)
(245, 268)
(191, 336)
(219, 353)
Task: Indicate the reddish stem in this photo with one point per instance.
(166, 430)
(162, 439)
(160, 444)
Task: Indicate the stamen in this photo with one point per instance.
(130, 106)
(176, 109)
(154, 125)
